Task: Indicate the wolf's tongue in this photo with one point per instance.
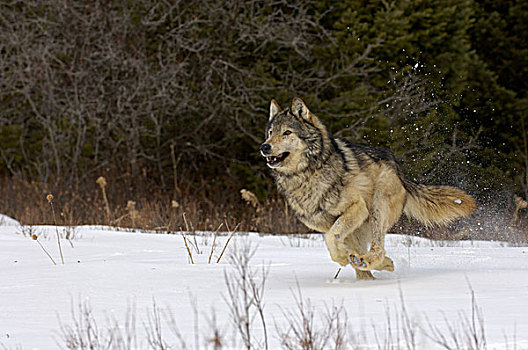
(273, 159)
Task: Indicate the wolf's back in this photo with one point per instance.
(437, 204)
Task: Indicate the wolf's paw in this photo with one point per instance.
(373, 260)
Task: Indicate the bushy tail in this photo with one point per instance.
(437, 204)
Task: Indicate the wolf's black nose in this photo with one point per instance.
(265, 148)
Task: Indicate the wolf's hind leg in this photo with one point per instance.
(387, 265)
(387, 206)
(375, 258)
(364, 275)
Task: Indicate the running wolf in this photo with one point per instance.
(353, 194)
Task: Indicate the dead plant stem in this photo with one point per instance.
(50, 200)
(227, 242)
(187, 246)
(214, 241)
(45, 251)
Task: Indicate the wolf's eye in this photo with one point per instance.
(287, 132)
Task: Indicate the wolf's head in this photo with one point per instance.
(295, 138)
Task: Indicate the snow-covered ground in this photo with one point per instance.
(113, 272)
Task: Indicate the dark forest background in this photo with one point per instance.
(168, 100)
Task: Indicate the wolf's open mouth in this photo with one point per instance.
(274, 160)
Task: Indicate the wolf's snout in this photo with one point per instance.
(265, 148)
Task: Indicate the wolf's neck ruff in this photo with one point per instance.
(315, 188)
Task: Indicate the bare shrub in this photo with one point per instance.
(303, 332)
(154, 330)
(467, 332)
(245, 293)
(216, 337)
(303, 327)
(92, 86)
(400, 329)
(84, 332)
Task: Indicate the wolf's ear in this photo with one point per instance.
(274, 109)
(300, 110)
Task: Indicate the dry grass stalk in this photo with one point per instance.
(214, 241)
(519, 204)
(251, 199)
(187, 246)
(132, 212)
(191, 230)
(35, 238)
(101, 181)
(177, 191)
(49, 197)
(187, 224)
(227, 242)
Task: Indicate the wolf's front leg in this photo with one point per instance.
(344, 226)
(337, 249)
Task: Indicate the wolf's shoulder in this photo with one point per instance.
(364, 154)
(374, 153)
